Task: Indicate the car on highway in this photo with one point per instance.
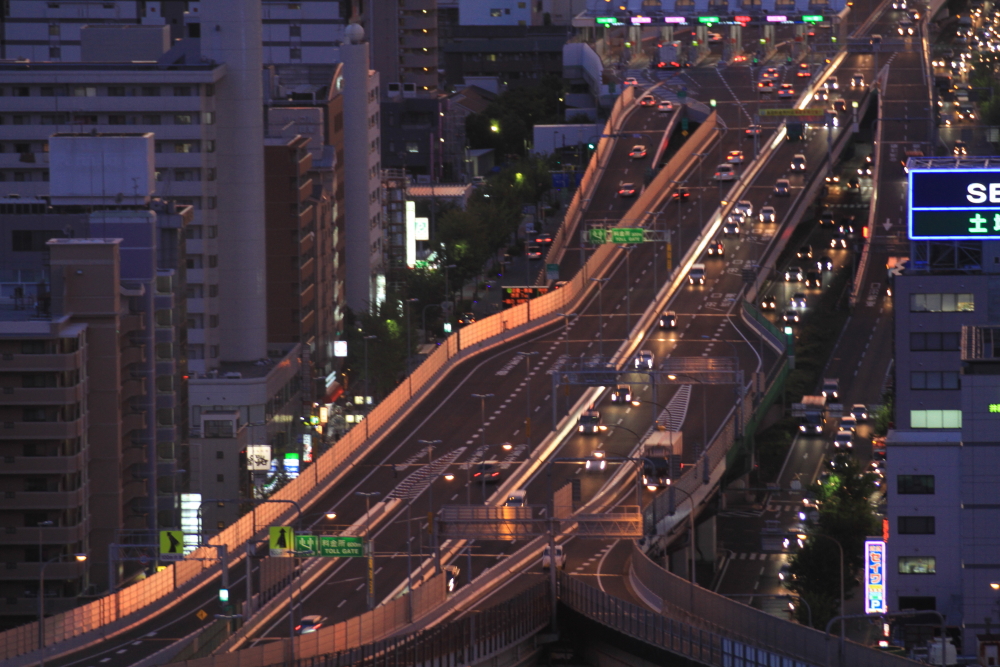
(804, 252)
(839, 241)
(961, 148)
(630, 81)
(543, 239)
(899, 4)
(794, 274)
(790, 316)
(798, 300)
(517, 498)
(626, 190)
(730, 228)
(860, 411)
(716, 249)
(487, 473)
(735, 218)
(533, 251)
(826, 218)
(849, 423)
(724, 172)
(666, 106)
(821, 96)
(798, 162)
(832, 179)
(858, 81)
(847, 225)
(844, 439)
(735, 157)
(680, 193)
(814, 280)
(786, 90)
(803, 71)
(560, 557)
(840, 106)
(905, 28)
(768, 303)
(596, 461)
(831, 83)
(644, 360)
(622, 393)
(767, 214)
(668, 320)
(785, 573)
(647, 101)
(309, 624)
(752, 130)
(638, 151)
(466, 318)
(765, 86)
(853, 184)
(770, 73)
(824, 263)
(966, 113)
(782, 188)
(866, 167)
(696, 276)
(591, 422)
(744, 207)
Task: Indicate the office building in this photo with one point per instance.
(404, 45)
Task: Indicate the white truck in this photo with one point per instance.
(812, 413)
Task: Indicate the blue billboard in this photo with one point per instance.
(954, 204)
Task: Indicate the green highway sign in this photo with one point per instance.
(339, 546)
(812, 18)
(597, 235)
(305, 543)
(708, 19)
(628, 235)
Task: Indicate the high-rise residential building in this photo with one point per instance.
(302, 32)
(364, 250)
(404, 45)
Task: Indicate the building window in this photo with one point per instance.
(84, 91)
(915, 485)
(182, 91)
(182, 119)
(942, 303)
(194, 262)
(210, 146)
(218, 428)
(116, 91)
(935, 419)
(55, 52)
(213, 291)
(219, 454)
(195, 352)
(947, 341)
(213, 202)
(213, 231)
(294, 31)
(295, 53)
(116, 119)
(213, 351)
(209, 118)
(496, 13)
(934, 380)
(151, 119)
(150, 91)
(412, 147)
(54, 29)
(915, 525)
(918, 602)
(917, 565)
(213, 321)
(220, 478)
(185, 147)
(220, 524)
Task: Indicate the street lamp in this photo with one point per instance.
(482, 410)
(409, 348)
(370, 544)
(368, 392)
(41, 600)
(600, 310)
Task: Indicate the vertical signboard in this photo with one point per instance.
(875, 602)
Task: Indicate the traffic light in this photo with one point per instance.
(756, 60)
(223, 595)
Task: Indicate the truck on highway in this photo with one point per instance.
(668, 56)
(661, 454)
(794, 131)
(811, 413)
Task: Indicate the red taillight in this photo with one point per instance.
(297, 628)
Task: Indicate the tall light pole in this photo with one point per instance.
(628, 287)
(368, 392)
(370, 544)
(566, 328)
(41, 601)
(701, 192)
(430, 444)
(409, 348)
(482, 414)
(527, 393)
(600, 310)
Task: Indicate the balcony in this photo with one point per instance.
(13, 363)
(418, 21)
(44, 500)
(42, 430)
(54, 535)
(41, 465)
(132, 322)
(308, 295)
(419, 40)
(420, 60)
(133, 388)
(58, 571)
(42, 396)
(133, 354)
(133, 421)
(307, 243)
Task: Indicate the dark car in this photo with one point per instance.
(790, 316)
(826, 218)
(814, 279)
(768, 303)
(622, 393)
(486, 473)
(715, 249)
(824, 263)
(805, 252)
(681, 193)
(466, 318)
(543, 239)
(668, 320)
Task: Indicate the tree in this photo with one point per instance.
(506, 125)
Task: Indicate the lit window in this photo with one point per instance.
(936, 419)
(917, 565)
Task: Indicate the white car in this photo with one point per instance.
(798, 162)
(767, 214)
(725, 172)
(843, 440)
(859, 411)
(744, 208)
(849, 423)
(309, 624)
(665, 106)
(560, 557)
(644, 360)
(596, 461)
(638, 151)
(735, 157)
(517, 498)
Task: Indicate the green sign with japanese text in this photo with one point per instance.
(338, 546)
(617, 235)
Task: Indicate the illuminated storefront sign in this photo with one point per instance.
(875, 602)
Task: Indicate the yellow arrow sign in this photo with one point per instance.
(792, 112)
(282, 540)
(171, 545)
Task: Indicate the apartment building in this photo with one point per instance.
(944, 521)
(302, 32)
(404, 45)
